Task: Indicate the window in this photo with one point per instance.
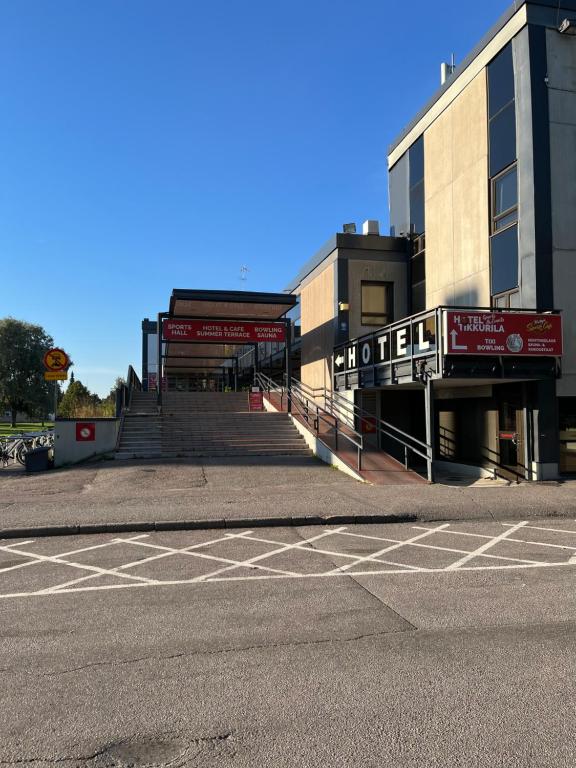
(376, 303)
(503, 139)
(504, 261)
(418, 274)
(505, 199)
(500, 81)
(509, 300)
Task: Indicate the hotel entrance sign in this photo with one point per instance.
(502, 333)
(222, 331)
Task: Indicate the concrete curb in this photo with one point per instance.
(201, 525)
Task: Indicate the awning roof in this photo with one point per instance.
(229, 305)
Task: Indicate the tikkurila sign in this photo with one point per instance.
(222, 331)
(502, 333)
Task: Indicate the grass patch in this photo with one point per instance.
(6, 430)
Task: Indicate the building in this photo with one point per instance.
(482, 190)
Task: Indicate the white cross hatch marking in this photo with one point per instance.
(486, 546)
(390, 548)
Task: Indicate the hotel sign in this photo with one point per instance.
(398, 343)
(502, 333)
(222, 331)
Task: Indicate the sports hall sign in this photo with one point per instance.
(506, 333)
(222, 331)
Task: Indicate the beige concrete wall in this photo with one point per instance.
(456, 188)
(69, 450)
(379, 271)
(317, 324)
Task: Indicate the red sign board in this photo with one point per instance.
(85, 432)
(502, 333)
(222, 331)
(256, 401)
(368, 425)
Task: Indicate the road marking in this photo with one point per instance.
(64, 554)
(481, 550)
(271, 577)
(539, 528)
(390, 548)
(72, 564)
(306, 548)
(116, 571)
(266, 555)
(445, 549)
(188, 551)
(485, 536)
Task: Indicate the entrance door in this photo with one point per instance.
(511, 439)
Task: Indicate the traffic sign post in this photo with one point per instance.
(56, 362)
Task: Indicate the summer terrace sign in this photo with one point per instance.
(502, 333)
(222, 331)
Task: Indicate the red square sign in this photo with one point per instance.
(85, 432)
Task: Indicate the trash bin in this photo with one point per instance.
(37, 460)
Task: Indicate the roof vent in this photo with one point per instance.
(349, 229)
(371, 227)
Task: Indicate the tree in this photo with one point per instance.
(22, 384)
(78, 401)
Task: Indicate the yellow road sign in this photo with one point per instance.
(55, 375)
(56, 360)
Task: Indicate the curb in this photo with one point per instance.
(202, 525)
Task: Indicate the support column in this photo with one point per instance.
(289, 364)
(235, 374)
(159, 360)
(546, 443)
(429, 411)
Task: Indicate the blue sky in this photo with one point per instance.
(147, 145)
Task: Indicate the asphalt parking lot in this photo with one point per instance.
(441, 644)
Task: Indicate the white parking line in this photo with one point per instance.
(390, 548)
(481, 550)
(72, 564)
(62, 554)
(266, 555)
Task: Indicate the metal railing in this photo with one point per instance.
(314, 415)
(124, 398)
(124, 391)
(334, 401)
(344, 416)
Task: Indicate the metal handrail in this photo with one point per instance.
(408, 442)
(302, 405)
(124, 391)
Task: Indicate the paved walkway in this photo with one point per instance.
(213, 491)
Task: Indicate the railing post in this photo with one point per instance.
(359, 459)
(429, 410)
(336, 433)
(406, 456)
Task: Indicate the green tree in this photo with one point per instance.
(78, 401)
(22, 385)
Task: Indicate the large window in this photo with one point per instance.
(503, 180)
(505, 199)
(376, 303)
(418, 274)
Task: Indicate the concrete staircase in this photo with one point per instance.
(205, 424)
